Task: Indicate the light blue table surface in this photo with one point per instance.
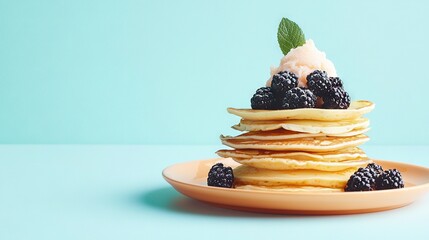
(117, 192)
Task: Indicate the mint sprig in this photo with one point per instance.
(289, 35)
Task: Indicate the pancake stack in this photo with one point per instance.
(307, 149)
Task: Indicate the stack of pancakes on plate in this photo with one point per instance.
(307, 149)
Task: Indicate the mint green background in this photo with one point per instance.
(163, 72)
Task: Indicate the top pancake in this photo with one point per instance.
(356, 109)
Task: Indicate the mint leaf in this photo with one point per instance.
(289, 35)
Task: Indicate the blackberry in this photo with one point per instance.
(263, 90)
(375, 169)
(263, 99)
(318, 82)
(283, 82)
(389, 179)
(361, 180)
(298, 98)
(337, 98)
(336, 82)
(220, 176)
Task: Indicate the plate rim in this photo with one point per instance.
(415, 187)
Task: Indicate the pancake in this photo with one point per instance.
(337, 156)
(246, 175)
(289, 188)
(306, 126)
(356, 110)
(320, 144)
(282, 134)
(291, 164)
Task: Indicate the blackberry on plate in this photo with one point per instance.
(361, 180)
(336, 82)
(389, 179)
(263, 99)
(298, 98)
(220, 176)
(318, 82)
(283, 82)
(375, 169)
(337, 98)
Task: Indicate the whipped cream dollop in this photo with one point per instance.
(302, 61)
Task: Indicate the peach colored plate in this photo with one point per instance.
(189, 178)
